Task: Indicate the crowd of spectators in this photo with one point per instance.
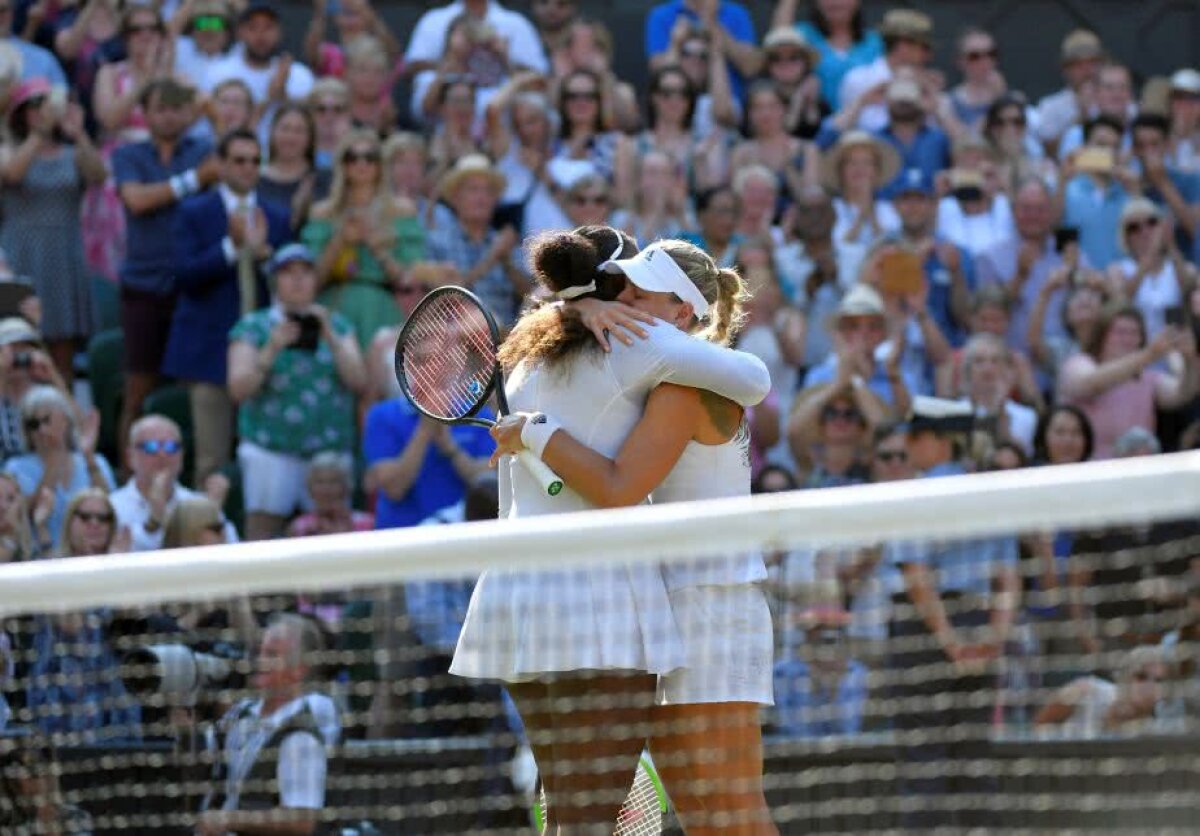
(268, 219)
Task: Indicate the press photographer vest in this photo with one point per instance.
(260, 784)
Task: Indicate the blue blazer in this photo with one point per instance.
(209, 302)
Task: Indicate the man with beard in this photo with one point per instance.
(152, 177)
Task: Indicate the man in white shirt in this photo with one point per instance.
(273, 77)
(908, 42)
(271, 750)
(428, 40)
(989, 376)
(156, 460)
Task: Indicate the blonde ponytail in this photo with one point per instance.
(722, 287)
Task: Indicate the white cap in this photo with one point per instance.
(654, 270)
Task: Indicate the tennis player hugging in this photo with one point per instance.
(601, 661)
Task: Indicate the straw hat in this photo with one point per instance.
(908, 25)
(886, 159)
(1138, 207)
(790, 36)
(471, 165)
(1081, 45)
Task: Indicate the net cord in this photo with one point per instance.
(1051, 498)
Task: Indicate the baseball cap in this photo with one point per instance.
(915, 181)
(940, 415)
(1186, 81)
(861, 300)
(1081, 45)
(255, 7)
(655, 271)
(15, 329)
(289, 253)
(907, 24)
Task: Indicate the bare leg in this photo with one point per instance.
(598, 726)
(710, 759)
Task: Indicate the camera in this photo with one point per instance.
(22, 360)
(310, 331)
(180, 674)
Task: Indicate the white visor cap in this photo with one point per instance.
(655, 271)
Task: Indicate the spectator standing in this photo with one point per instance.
(429, 38)
(1022, 263)
(921, 145)
(290, 178)
(982, 82)
(949, 624)
(1114, 100)
(692, 50)
(855, 170)
(908, 43)
(45, 166)
(1152, 275)
(152, 177)
(63, 458)
(589, 46)
(36, 62)
(272, 76)
(553, 19)
(353, 18)
(294, 370)
(1175, 190)
(1184, 111)
(1093, 195)
(206, 42)
(1115, 380)
(363, 239)
(791, 64)
(218, 235)
(144, 503)
(487, 260)
(270, 747)
(74, 683)
(839, 33)
(728, 25)
(1080, 55)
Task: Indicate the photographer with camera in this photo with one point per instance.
(270, 754)
(295, 371)
(222, 236)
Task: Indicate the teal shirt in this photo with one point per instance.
(302, 408)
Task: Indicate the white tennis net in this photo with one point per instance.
(141, 687)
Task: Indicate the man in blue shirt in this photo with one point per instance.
(728, 23)
(152, 178)
(416, 465)
(1177, 192)
(1094, 196)
(949, 626)
(820, 691)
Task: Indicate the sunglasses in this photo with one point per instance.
(255, 160)
(671, 92)
(1134, 227)
(329, 108)
(37, 422)
(580, 95)
(153, 447)
(209, 23)
(785, 57)
(590, 199)
(845, 413)
(694, 52)
(94, 517)
(980, 54)
(355, 156)
(892, 456)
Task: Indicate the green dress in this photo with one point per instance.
(366, 299)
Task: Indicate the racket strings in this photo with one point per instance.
(450, 356)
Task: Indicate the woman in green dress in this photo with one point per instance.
(364, 239)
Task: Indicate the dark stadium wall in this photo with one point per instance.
(1154, 37)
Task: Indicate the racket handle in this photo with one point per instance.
(539, 470)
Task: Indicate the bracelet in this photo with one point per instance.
(536, 433)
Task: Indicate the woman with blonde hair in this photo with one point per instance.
(89, 525)
(329, 104)
(368, 79)
(689, 443)
(16, 532)
(364, 238)
(1153, 275)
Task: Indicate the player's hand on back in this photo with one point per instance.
(615, 319)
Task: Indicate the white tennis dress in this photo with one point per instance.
(521, 625)
(718, 603)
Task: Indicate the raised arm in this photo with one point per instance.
(644, 460)
(687, 361)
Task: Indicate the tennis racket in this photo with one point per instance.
(447, 366)
(643, 812)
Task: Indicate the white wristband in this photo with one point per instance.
(191, 181)
(178, 187)
(536, 433)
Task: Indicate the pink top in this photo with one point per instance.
(1112, 412)
(308, 525)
